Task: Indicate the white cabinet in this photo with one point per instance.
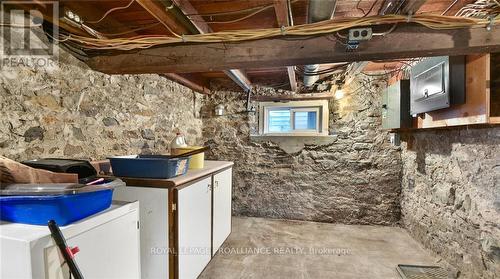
(153, 204)
(194, 212)
(222, 192)
(184, 220)
(108, 243)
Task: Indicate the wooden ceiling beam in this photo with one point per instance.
(188, 82)
(281, 10)
(291, 77)
(191, 13)
(412, 7)
(238, 76)
(160, 12)
(277, 52)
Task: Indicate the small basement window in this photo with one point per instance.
(294, 118)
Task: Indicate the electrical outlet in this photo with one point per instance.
(395, 139)
(360, 34)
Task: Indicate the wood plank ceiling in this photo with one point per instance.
(128, 18)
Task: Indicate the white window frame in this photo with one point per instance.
(320, 106)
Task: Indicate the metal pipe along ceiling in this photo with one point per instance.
(319, 10)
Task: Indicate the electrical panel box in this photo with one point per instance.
(396, 106)
(436, 83)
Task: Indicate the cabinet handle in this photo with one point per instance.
(209, 188)
(216, 184)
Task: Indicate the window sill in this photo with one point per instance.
(301, 136)
(295, 143)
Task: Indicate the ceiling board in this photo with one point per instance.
(136, 16)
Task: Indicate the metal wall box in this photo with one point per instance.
(396, 106)
(436, 83)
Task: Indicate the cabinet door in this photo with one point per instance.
(108, 251)
(194, 228)
(153, 203)
(222, 208)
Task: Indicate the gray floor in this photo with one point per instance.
(266, 248)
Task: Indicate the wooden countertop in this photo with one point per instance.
(191, 175)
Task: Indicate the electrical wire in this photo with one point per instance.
(449, 7)
(386, 32)
(256, 11)
(313, 29)
(238, 19)
(242, 11)
(480, 9)
(110, 11)
(365, 14)
(131, 30)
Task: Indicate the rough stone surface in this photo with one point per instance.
(354, 178)
(109, 121)
(451, 196)
(69, 110)
(33, 133)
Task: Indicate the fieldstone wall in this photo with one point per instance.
(68, 110)
(352, 177)
(451, 196)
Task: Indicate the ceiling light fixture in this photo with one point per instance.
(339, 93)
(339, 88)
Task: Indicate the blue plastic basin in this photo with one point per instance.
(64, 209)
(149, 166)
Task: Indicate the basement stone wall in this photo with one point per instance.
(351, 177)
(69, 110)
(451, 196)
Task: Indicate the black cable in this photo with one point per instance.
(369, 11)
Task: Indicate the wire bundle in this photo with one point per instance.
(480, 9)
(313, 29)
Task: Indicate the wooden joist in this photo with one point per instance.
(188, 82)
(354, 70)
(294, 97)
(276, 52)
(281, 10)
(198, 21)
(238, 76)
(411, 7)
(158, 11)
(291, 78)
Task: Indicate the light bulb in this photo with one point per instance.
(339, 94)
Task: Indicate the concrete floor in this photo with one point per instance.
(265, 248)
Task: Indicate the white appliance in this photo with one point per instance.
(108, 241)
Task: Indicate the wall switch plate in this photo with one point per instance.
(360, 34)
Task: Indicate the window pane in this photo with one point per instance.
(305, 120)
(279, 121)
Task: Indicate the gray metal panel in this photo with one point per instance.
(396, 106)
(436, 83)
